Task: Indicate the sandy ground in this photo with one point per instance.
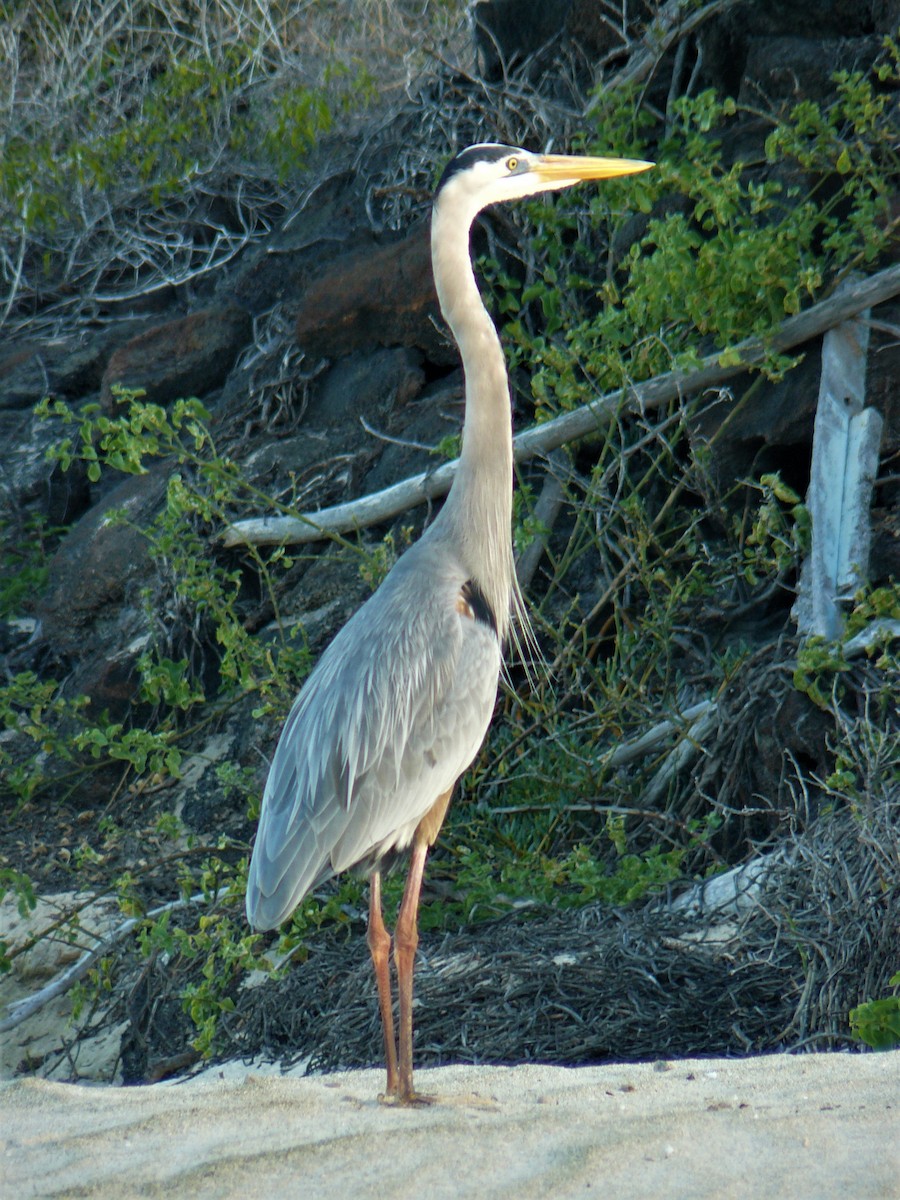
(810, 1126)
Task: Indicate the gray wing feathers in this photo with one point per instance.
(393, 713)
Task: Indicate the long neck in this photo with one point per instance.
(478, 510)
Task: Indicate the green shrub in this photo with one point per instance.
(877, 1022)
(728, 250)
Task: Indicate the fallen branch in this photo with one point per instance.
(714, 370)
(697, 722)
(880, 631)
(688, 746)
(648, 742)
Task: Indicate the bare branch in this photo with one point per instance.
(701, 713)
(673, 21)
(546, 511)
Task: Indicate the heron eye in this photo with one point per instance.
(512, 164)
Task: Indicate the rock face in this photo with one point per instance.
(37, 1040)
(509, 31)
(62, 367)
(89, 613)
(189, 356)
(377, 295)
(796, 68)
(93, 568)
(360, 336)
(368, 341)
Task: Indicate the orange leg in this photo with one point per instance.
(380, 948)
(406, 939)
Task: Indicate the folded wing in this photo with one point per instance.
(392, 715)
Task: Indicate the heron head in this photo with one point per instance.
(490, 173)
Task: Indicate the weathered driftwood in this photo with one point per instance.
(688, 746)
(883, 630)
(541, 439)
(846, 440)
(696, 723)
(733, 892)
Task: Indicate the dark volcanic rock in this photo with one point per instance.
(330, 219)
(68, 494)
(773, 429)
(508, 31)
(28, 477)
(589, 27)
(189, 356)
(93, 568)
(434, 415)
(725, 41)
(332, 448)
(378, 295)
(33, 371)
(778, 420)
(89, 617)
(70, 367)
(366, 385)
(795, 68)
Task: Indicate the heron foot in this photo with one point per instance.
(406, 1099)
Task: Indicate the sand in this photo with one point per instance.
(824, 1125)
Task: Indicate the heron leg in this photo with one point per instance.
(380, 948)
(406, 939)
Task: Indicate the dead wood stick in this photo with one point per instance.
(640, 747)
(694, 723)
(673, 21)
(714, 370)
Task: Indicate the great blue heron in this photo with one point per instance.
(399, 703)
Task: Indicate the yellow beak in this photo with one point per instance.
(562, 169)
